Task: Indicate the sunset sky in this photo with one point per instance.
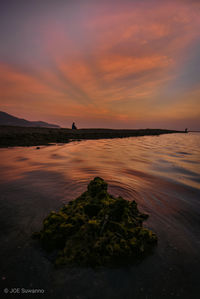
(101, 63)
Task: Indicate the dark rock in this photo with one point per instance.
(97, 229)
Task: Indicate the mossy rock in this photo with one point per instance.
(97, 229)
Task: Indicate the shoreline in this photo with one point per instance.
(11, 136)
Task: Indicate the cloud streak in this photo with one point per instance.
(106, 64)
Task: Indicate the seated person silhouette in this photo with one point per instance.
(74, 126)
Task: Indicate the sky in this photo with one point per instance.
(106, 64)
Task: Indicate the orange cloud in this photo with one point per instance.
(112, 63)
(115, 66)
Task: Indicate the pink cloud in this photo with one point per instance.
(107, 62)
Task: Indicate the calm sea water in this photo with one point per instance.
(162, 173)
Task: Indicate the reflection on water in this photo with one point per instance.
(128, 162)
(162, 173)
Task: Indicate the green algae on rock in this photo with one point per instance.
(97, 229)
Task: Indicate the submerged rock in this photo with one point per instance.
(97, 229)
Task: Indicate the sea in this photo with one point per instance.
(161, 173)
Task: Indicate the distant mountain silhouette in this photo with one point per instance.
(9, 120)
